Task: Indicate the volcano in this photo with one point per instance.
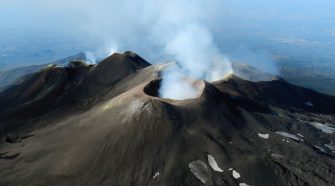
(105, 124)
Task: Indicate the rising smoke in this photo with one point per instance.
(179, 30)
(192, 45)
(90, 58)
(198, 57)
(38, 31)
(176, 85)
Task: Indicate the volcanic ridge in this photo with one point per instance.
(106, 124)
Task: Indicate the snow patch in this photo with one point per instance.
(230, 169)
(320, 148)
(155, 175)
(308, 103)
(236, 175)
(199, 169)
(213, 163)
(265, 136)
(243, 184)
(277, 156)
(326, 128)
(288, 135)
(300, 135)
(330, 147)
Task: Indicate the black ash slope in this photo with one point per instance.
(125, 135)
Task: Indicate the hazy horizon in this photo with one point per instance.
(257, 32)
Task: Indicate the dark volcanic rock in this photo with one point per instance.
(258, 133)
(63, 90)
(16, 75)
(77, 64)
(11, 138)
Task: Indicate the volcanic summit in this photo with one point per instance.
(106, 124)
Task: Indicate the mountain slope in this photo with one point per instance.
(63, 90)
(279, 93)
(9, 77)
(129, 136)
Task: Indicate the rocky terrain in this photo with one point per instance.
(105, 124)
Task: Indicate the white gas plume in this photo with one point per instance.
(196, 53)
(174, 30)
(90, 58)
(198, 57)
(107, 49)
(176, 85)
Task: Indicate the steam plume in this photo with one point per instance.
(90, 58)
(179, 29)
(198, 57)
(175, 85)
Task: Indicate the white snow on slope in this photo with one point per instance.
(155, 175)
(199, 169)
(236, 175)
(330, 147)
(213, 163)
(288, 135)
(265, 136)
(243, 184)
(308, 103)
(326, 128)
(320, 148)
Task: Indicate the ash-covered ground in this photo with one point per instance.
(105, 124)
